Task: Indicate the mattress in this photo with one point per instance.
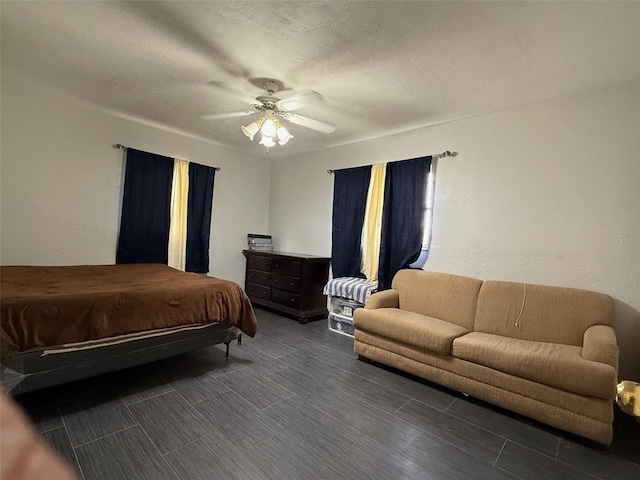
(45, 307)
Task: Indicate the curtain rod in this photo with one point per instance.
(435, 155)
(124, 147)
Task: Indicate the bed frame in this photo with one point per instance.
(33, 370)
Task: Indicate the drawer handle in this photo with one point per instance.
(277, 265)
(275, 280)
(293, 300)
(292, 284)
(252, 275)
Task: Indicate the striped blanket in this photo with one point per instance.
(356, 289)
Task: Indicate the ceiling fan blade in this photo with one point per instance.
(311, 123)
(299, 100)
(235, 91)
(218, 116)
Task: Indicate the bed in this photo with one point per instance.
(60, 324)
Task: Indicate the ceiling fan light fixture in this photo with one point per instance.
(269, 128)
(251, 129)
(271, 109)
(267, 141)
(283, 136)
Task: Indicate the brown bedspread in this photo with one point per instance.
(50, 306)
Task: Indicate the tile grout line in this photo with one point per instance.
(372, 380)
(214, 377)
(173, 469)
(394, 412)
(367, 401)
(544, 454)
(465, 421)
(188, 443)
(548, 455)
(504, 444)
(449, 406)
(182, 446)
(40, 432)
(75, 454)
(277, 403)
(367, 379)
(162, 455)
(208, 398)
(469, 452)
(180, 395)
(108, 435)
(149, 398)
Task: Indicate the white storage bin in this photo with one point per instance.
(341, 324)
(343, 306)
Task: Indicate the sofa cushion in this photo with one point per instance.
(444, 296)
(436, 367)
(540, 313)
(552, 364)
(409, 328)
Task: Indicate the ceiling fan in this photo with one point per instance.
(270, 109)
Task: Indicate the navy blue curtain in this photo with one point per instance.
(350, 189)
(199, 205)
(402, 217)
(144, 225)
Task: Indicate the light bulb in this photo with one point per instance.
(268, 128)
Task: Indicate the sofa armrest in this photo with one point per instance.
(383, 299)
(599, 345)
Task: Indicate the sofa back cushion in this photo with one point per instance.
(540, 313)
(443, 296)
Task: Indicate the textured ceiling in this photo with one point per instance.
(382, 66)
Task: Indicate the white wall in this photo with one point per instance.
(61, 182)
(546, 193)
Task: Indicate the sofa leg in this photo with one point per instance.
(363, 359)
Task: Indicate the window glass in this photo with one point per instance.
(428, 220)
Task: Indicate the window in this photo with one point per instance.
(395, 207)
(428, 219)
(146, 218)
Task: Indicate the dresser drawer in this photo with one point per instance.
(256, 276)
(287, 267)
(285, 298)
(260, 263)
(285, 282)
(258, 291)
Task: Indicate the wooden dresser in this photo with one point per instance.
(290, 283)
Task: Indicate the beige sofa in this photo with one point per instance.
(545, 352)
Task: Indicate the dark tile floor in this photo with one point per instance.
(295, 403)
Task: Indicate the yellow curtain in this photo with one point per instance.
(178, 228)
(373, 222)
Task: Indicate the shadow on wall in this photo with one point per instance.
(627, 327)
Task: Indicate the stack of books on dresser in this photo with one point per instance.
(259, 242)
